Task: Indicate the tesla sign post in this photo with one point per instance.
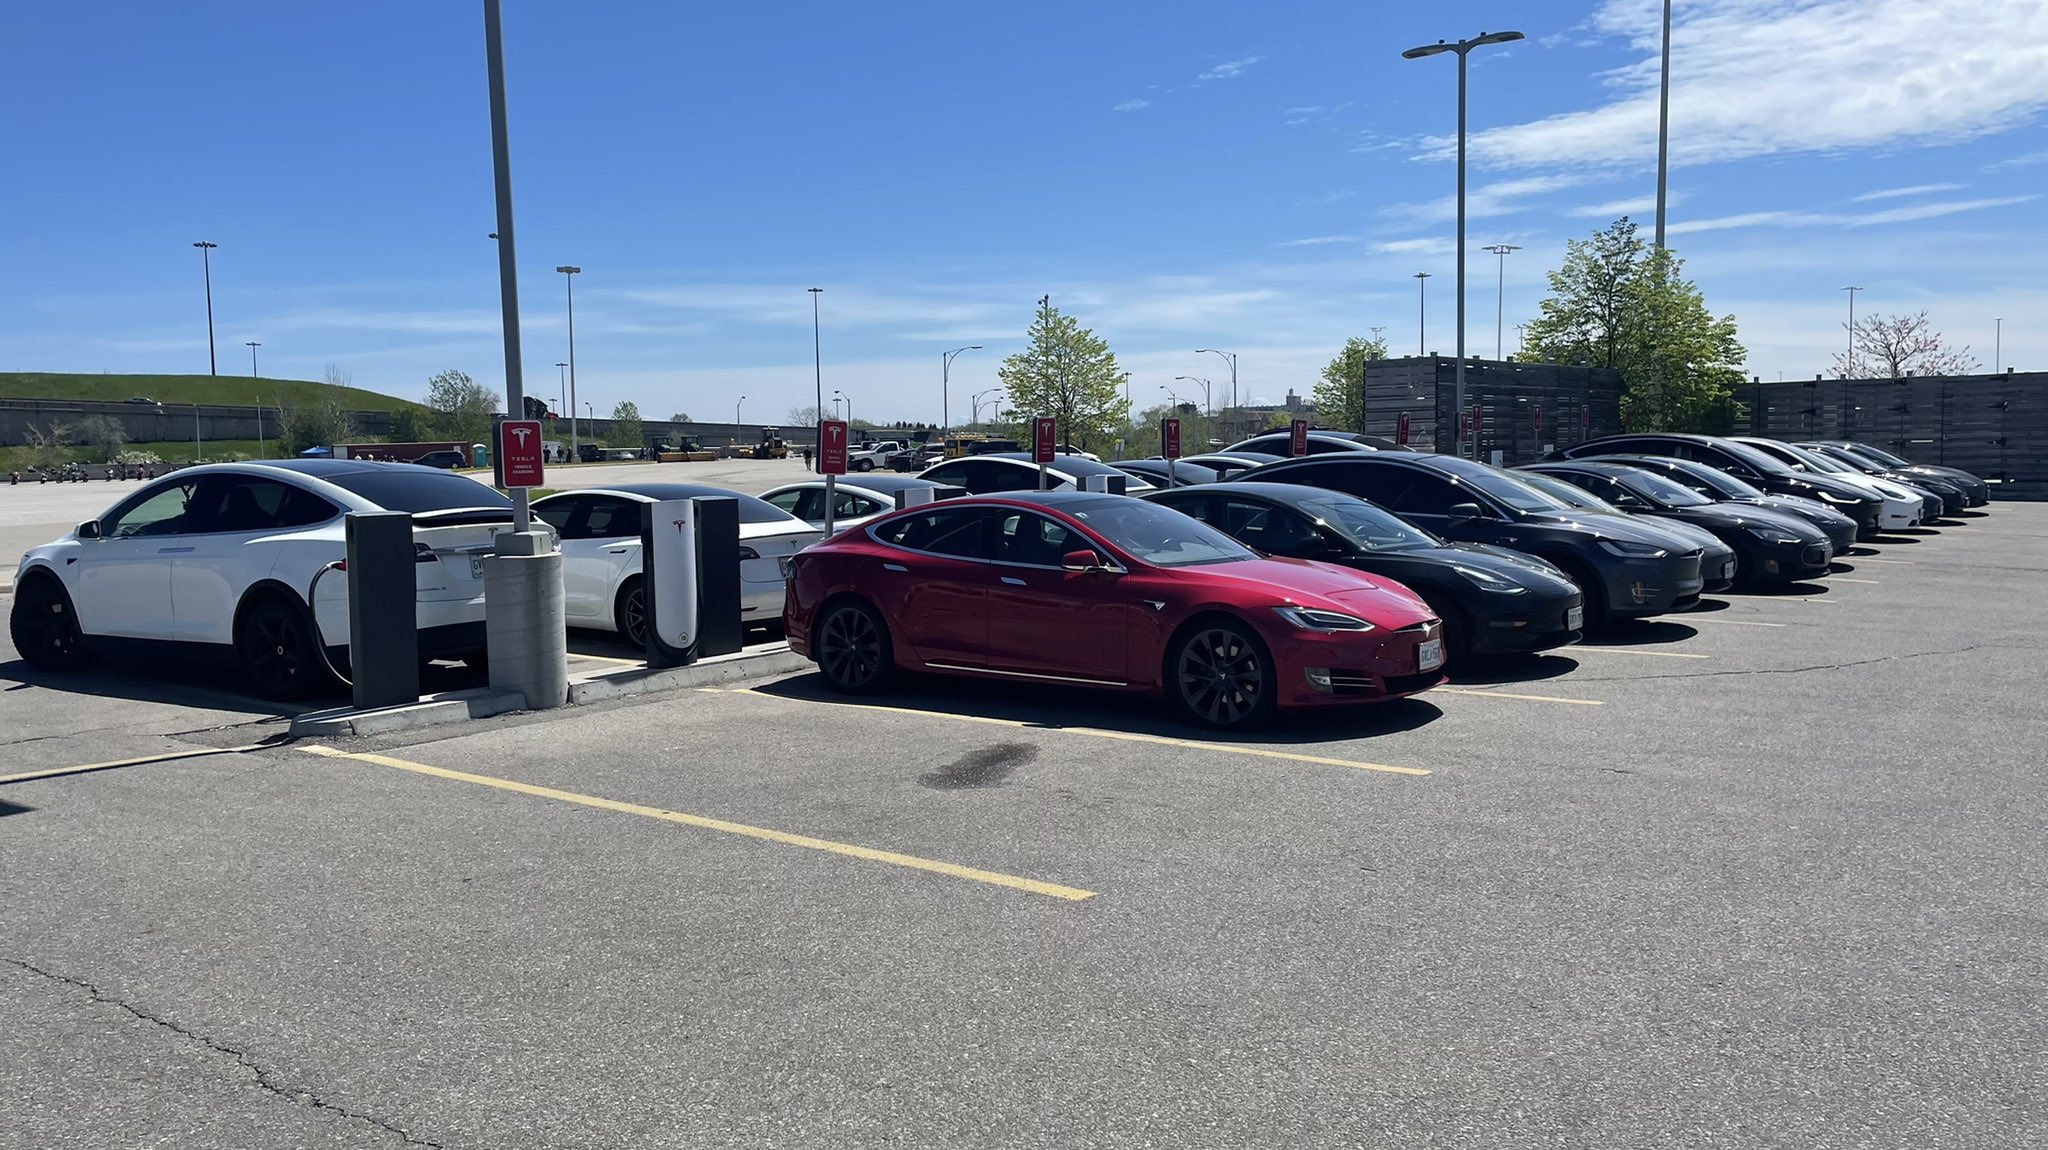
(519, 454)
(1297, 445)
(1169, 445)
(831, 464)
(1045, 441)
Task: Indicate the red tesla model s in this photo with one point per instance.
(1104, 591)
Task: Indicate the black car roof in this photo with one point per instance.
(873, 481)
(1595, 466)
(1291, 494)
(1443, 464)
(323, 468)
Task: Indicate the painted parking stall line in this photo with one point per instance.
(1646, 654)
(1510, 695)
(701, 822)
(138, 761)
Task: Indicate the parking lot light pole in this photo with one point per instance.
(1232, 357)
(1849, 365)
(945, 383)
(974, 413)
(1463, 48)
(736, 420)
(562, 388)
(253, 345)
(1422, 315)
(1500, 291)
(206, 269)
(1209, 408)
(817, 372)
(569, 274)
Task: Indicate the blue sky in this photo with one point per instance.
(1261, 178)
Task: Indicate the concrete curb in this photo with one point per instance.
(433, 710)
(617, 683)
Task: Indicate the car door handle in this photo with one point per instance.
(617, 550)
(1013, 581)
(895, 567)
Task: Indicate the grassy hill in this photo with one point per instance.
(221, 389)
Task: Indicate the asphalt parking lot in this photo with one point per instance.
(1769, 873)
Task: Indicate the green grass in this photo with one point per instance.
(175, 389)
(170, 451)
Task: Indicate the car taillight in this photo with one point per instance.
(749, 553)
(421, 553)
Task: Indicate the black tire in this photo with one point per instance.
(1745, 575)
(274, 640)
(851, 645)
(44, 626)
(863, 465)
(1220, 675)
(1594, 591)
(629, 613)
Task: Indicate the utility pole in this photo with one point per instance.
(569, 273)
(206, 269)
(1663, 123)
(1422, 320)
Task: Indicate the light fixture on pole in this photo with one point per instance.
(736, 420)
(1463, 48)
(840, 397)
(1232, 357)
(569, 274)
(206, 269)
(1422, 313)
(974, 414)
(945, 383)
(1500, 290)
(1208, 406)
(1849, 364)
(1171, 395)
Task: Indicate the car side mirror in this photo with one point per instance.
(1082, 562)
(1464, 511)
(90, 529)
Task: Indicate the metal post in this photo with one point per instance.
(1462, 57)
(1663, 122)
(198, 450)
(945, 384)
(508, 267)
(206, 269)
(736, 420)
(569, 273)
(1422, 313)
(1849, 365)
(1997, 348)
(1500, 290)
(831, 491)
(818, 381)
(253, 345)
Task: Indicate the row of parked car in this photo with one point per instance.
(1239, 582)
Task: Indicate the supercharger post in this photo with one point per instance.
(523, 620)
(690, 573)
(919, 496)
(383, 645)
(1103, 484)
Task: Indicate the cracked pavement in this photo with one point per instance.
(1786, 895)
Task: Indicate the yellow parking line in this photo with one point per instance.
(1846, 579)
(1736, 622)
(140, 760)
(1627, 651)
(1125, 736)
(1529, 698)
(955, 870)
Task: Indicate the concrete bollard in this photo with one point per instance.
(528, 636)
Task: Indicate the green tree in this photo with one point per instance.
(1068, 374)
(463, 408)
(680, 417)
(319, 422)
(625, 429)
(1338, 391)
(409, 425)
(104, 434)
(1618, 303)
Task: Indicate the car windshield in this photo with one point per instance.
(1571, 494)
(1659, 489)
(416, 490)
(1509, 489)
(1157, 535)
(1712, 480)
(1368, 526)
(1880, 455)
(1762, 462)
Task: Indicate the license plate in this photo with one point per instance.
(1728, 569)
(1575, 618)
(1432, 654)
(476, 567)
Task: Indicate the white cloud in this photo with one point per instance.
(1615, 209)
(2022, 161)
(1318, 241)
(1420, 246)
(1903, 193)
(1787, 219)
(1768, 77)
(1229, 69)
(1131, 105)
(1500, 198)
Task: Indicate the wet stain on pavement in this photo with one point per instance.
(987, 767)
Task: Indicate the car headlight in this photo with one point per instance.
(1311, 619)
(1488, 581)
(1628, 550)
(1771, 534)
(1838, 500)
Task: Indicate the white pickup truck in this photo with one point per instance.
(872, 455)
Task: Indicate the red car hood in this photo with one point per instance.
(1379, 601)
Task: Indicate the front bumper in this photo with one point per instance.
(1339, 668)
(1641, 587)
(1554, 621)
(1789, 562)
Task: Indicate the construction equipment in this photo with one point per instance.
(772, 446)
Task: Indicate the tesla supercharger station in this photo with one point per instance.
(383, 645)
(919, 496)
(1106, 484)
(690, 567)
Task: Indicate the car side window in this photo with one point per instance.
(953, 474)
(1274, 530)
(957, 532)
(161, 512)
(1007, 477)
(612, 519)
(851, 506)
(788, 500)
(1428, 495)
(1023, 537)
(1202, 507)
(228, 504)
(559, 514)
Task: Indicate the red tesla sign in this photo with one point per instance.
(1538, 411)
(1298, 445)
(1169, 437)
(1401, 430)
(1585, 417)
(1045, 439)
(520, 454)
(832, 447)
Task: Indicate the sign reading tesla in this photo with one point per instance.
(519, 454)
(1401, 430)
(1169, 437)
(1299, 444)
(1045, 439)
(832, 447)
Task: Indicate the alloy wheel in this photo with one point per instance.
(44, 629)
(275, 654)
(633, 623)
(1222, 678)
(850, 648)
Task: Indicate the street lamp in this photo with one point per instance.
(1663, 121)
(1849, 365)
(945, 382)
(1171, 395)
(1463, 48)
(1232, 357)
(736, 420)
(569, 274)
(253, 345)
(1998, 347)
(206, 269)
(1500, 290)
(974, 414)
(1422, 316)
(1209, 407)
(818, 370)
(839, 397)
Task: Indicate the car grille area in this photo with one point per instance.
(1363, 684)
